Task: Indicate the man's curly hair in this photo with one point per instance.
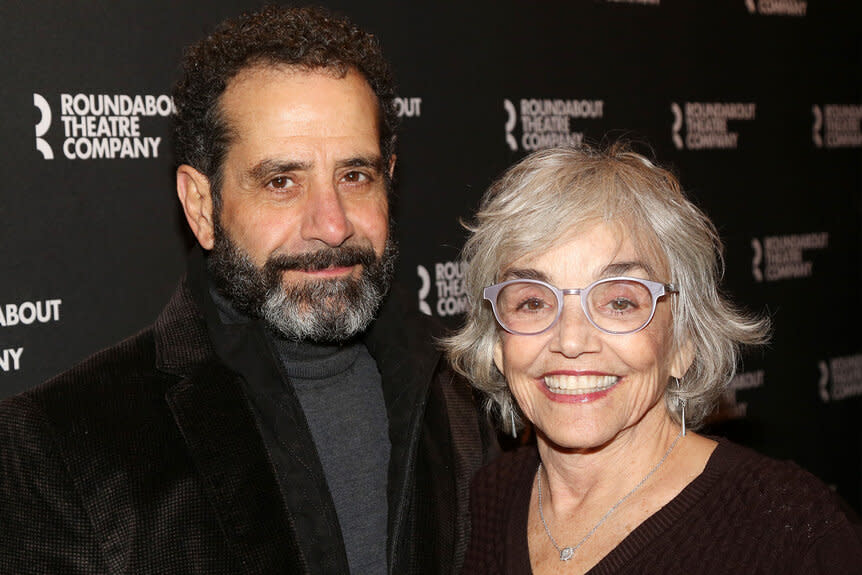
(307, 38)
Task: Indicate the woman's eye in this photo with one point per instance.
(532, 304)
(621, 305)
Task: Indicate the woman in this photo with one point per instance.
(603, 326)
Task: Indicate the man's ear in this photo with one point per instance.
(193, 189)
(682, 359)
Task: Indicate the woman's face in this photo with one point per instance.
(614, 382)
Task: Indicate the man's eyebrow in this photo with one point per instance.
(266, 168)
(373, 162)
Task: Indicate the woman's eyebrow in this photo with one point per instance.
(524, 274)
(623, 268)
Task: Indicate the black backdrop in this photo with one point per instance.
(755, 104)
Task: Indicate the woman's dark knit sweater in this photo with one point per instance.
(744, 514)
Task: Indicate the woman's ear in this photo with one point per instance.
(498, 354)
(682, 359)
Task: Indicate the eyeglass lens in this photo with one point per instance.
(614, 306)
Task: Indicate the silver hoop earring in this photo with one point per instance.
(680, 401)
(512, 419)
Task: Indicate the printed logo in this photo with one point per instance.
(837, 126)
(30, 312)
(817, 128)
(408, 107)
(42, 126)
(424, 290)
(757, 260)
(730, 407)
(25, 313)
(782, 257)
(777, 7)
(449, 284)
(10, 359)
(840, 378)
(102, 126)
(705, 124)
(545, 123)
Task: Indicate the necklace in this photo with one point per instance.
(567, 553)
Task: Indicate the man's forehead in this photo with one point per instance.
(265, 74)
(277, 105)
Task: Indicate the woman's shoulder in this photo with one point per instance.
(770, 475)
(774, 489)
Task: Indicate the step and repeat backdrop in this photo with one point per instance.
(755, 104)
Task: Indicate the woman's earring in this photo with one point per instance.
(512, 418)
(680, 401)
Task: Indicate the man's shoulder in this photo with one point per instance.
(113, 380)
(96, 385)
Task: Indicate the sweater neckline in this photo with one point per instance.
(635, 542)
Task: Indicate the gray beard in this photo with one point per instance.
(322, 311)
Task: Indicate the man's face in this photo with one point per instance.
(301, 236)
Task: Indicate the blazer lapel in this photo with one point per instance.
(219, 429)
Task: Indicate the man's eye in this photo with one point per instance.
(355, 177)
(280, 182)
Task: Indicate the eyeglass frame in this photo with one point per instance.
(656, 289)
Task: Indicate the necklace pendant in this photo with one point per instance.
(566, 553)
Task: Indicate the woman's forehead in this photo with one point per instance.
(607, 248)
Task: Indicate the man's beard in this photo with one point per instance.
(321, 310)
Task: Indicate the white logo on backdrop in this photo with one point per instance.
(511, 122)
(817, 127)
(449, 284)
(548, 122)
(705, 124)
(757, 260)
(424, 290)
(42, 126)
(837, 126)
(845, 376)
(676, 128)
(783, 257)
(25, 313)
(102, 126)
(10, 359)
(796, 8)
(408, 107)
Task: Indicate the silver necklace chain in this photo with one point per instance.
(567, 553)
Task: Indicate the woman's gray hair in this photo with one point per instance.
(552, 193)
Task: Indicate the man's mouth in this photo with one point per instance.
(333, 271)
(579, 384)
(325, 264)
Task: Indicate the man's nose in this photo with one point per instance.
(325, 218)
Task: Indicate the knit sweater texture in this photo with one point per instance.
(745, 513)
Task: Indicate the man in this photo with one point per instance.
(276, 418)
